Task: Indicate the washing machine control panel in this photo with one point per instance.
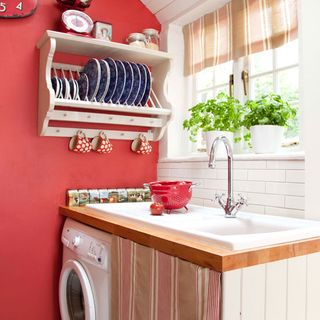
(90, 249)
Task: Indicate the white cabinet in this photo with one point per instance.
(282, 290)
(152, 119)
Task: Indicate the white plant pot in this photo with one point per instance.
(211, 135)
(242, 146)
(266, 138)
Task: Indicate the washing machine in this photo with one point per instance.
(85, 280)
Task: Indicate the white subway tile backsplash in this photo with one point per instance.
(288, 165)
(196, 201)
(203, 193)
(295, 176)
(266, 175)
(215, 184)
(271, 186)
(164, 178)
(210, 203)
(164, 172)
(198, 183)
(294, 202)
(295, 189)
(238, 174)
(223, 164)
(285, 212)
(263, 199)
(221, 173)
(254, 208)
(250, 165)
(249, 186)
(185, 173)
(168, 165)
(184, 165)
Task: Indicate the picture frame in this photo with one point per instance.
(102, 30)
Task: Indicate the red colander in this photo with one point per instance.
(172, 194)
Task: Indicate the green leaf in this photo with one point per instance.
(270, 109)
(222, 113)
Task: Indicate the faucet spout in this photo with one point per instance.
(229, 206)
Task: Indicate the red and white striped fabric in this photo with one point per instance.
(150, 285)
(238, 29)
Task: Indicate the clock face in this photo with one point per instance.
(77, 21)
(17, 8)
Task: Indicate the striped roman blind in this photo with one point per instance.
(239, 28)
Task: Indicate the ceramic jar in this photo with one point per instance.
(137, 39)
(152, 38)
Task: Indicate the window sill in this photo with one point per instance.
(241, 157)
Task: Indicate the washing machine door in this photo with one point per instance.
(75, 293)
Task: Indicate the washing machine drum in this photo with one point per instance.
(75, 293)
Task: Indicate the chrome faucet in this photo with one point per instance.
(229, 206)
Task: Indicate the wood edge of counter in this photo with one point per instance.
(180, 246)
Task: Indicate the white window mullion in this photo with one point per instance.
(275, 73)
(238, 66)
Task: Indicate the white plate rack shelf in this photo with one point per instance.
(152, 118)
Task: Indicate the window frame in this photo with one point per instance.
(244, 63)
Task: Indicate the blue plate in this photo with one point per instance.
(143, 84)
(129, 82)
(104, 81)
(83, 84)
(135, 85)
(76, 95)
(56, 86)
(93, 71)
(146, 95)
(73, 89)
(61, 88)
(121, 82)
(113, 79)
(65, 88)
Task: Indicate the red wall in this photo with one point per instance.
(36, 171)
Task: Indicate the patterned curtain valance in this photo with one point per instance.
(240, 28)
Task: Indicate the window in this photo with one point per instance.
(211, 81)
(278, 71)
(207, 84)
(269, 71)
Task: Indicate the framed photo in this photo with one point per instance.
(102, 30)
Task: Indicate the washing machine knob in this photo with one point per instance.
(76, 241)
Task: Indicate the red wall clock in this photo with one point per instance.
(17, 8)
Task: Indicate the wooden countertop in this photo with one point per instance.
(189, 249)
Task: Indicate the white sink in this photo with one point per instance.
(209, 226)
